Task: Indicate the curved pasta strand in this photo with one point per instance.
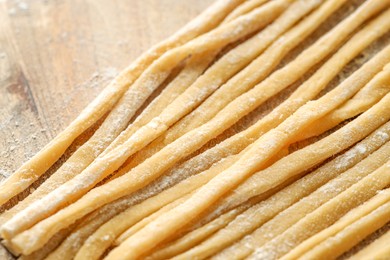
(353, 234)
(32, 169)
(244, 105)
(265, 147)
(99, 241)
(362, 101)
(370, 212)
(307, 91)
(229, 64)
(244, 8)
(265, 210)
(85, 154)
(256, 71)
(291, 215)
(376, 250)
(152, 77)
(334, 209)
(295, 163)
(243, 80)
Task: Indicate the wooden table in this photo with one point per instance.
(56, 56)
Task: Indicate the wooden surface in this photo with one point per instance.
(56, 56)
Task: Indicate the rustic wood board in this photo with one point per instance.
(56, 56)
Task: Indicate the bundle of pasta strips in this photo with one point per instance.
(199, 172)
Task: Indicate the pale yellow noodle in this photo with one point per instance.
(264, 147)
(244, 8)
(333, 209)
(243, 105)
(262, 212)
(377, 250)
(85, 154)
(363, 100)
(105, 165)
(256, 71)
(337, 238)
(31, 170)
(285, 219)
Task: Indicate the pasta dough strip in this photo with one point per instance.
(98, 242)
(244, 8)
(103, 166)
(353, 234)
(306, 92)
(263, 149)
(376, 250)
(334, 209)
(32, 169)
(232, 62)
(379, 27)
(117, 224)
(227, 66)
(337, 58)
(185, 78)
(195, 237)
(84, 155)
(288, 167)
(255, 72)
(363, 100)
(193, 184)
(290, 216)
(265, 210)
(313, 247)
(244, 80)
(119, 186)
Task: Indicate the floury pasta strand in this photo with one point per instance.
(85, 154)
(226, 179)
(31, 170)
(304, 93)
(348, 231)
(376, 250)
(293, 164)
(378, 83)
(314, 222)
(295, 212)
(244, 8)
(157, 188)
(105, 165)
(256, 71)
(197, 137)
(265, 210)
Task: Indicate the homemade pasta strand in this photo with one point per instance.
(84, 155)
(31, 170)
(265, 147)
(307, 91)
(244, 8)
(287, 167)
(256, 71)
(288, 217)
(121, 187)
(314, 246)
(265, 210)
(376, 250)
(104, 166)
(334, 209)
(363, 100)
(351, 235)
